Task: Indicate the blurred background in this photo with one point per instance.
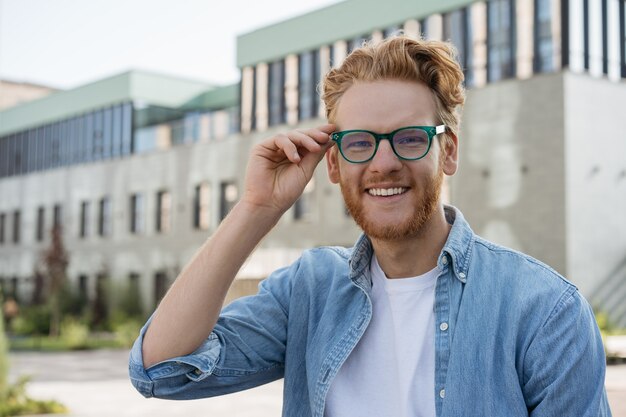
(125, 128)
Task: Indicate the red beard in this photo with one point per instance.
(409, 227)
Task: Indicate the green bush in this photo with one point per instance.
(74, 334)
(126, 333)
(33, 320)
(17, 403)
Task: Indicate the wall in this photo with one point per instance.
(511, 182)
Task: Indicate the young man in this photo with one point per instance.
(420, 318)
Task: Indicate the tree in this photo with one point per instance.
(56, 260)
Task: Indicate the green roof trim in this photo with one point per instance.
(342, 21)
(219, 98)
(139, 86)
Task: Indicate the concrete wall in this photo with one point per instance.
(511, 181)
(595, 119)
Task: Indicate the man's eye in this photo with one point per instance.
(359, 144)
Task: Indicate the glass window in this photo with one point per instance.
(2, 226)
(41, 224)
(454, 31)
(58, 215)
(104, 217)
(500, 40)
(22, 139)
(127, 129)
(276, 95)
(84, 219)
(160, 286)
(116, 131)
(304, 205)
(228, 198)
(233, 120)
(76, 130)
(622, 29)
(3, 157)
(136, 213)
(83, 287)
(32, 150)
(55, 144)
(391, 30)
(306, 85)
(202, 206)
(107, 133)
(40, 145)
(98, 135)
(88, 137)
(11, 155)
(16, 226)
(543, 48)
(163, 206)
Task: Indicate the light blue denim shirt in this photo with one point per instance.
(512, 338)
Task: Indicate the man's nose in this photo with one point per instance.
(385, 159)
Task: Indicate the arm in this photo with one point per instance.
(278, 170)
(565, 364)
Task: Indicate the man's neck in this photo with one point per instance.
(414, 255)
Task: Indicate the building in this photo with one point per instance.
(13, 93)
(543, 166)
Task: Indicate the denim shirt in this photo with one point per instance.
(512, 337)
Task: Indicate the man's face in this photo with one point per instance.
(412, 187)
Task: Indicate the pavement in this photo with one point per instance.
(95, 384)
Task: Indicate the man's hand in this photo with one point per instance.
(281, 166)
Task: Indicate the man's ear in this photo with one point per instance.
(332, 164)
(451, 150)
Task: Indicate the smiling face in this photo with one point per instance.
(389, 198)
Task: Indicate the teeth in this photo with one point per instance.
(386, 191)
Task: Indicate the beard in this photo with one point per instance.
(412, 226)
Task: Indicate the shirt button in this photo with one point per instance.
(442, 393)
(443, 326)
(198, 372)
(444, 260)
(462, 275)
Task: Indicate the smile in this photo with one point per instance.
(386, 191)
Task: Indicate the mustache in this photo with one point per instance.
(394, 178)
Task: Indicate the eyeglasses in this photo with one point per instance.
(409, 143)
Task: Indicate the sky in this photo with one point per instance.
(67, 43)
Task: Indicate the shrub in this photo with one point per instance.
(74, 333)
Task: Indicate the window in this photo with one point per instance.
(160, 286)
(622, 37)
(107, 138)
(304, 205)
(127, 129)
(104, 217)
(276, 96)
(543, 48)
(41, 214)
(136, 213)
(83, 287)
(16, 226)
(2, 222)
(164, 204)
(455, 30)
(500, 39)
(116, 132)
(391, 30)
(229, 195)
(201, 207)
(58, 216)
(84, 219)
(308, 78)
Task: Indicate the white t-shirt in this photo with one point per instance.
(391, 371)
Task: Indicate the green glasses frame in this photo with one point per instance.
(431, 131)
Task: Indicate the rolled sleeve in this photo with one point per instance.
(195, 367)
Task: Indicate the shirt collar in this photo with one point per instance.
(456, 251)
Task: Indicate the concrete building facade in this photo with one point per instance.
(140, 169)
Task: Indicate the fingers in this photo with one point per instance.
(293, 143)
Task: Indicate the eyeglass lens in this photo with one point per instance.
(407, 143)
